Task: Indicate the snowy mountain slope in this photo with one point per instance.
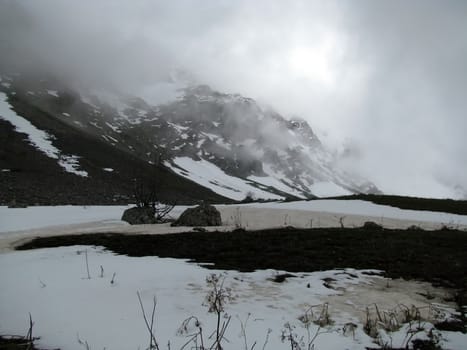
(38, 138)
(29, 176)
(242, 147)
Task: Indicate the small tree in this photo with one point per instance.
(146, 191)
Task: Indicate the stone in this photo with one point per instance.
(371, 225)
(202, 215)
(139, 216)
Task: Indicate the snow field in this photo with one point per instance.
(366, 209)
(52, 285)
(316, 213)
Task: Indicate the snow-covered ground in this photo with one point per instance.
(42, 216)
(366, 209)
(323, 212)
(22, 223)
(52, 284)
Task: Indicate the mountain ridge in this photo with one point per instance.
(225, 142)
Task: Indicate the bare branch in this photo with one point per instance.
(152, 340)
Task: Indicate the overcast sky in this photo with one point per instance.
(385, 79)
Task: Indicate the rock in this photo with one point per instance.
(14, 204)
(202, 215)
(282, 277)
(371, 225)
(139, 215)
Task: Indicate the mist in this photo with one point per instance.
(382, 83)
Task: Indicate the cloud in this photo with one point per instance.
(388, 77)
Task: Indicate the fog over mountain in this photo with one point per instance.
(382, 83)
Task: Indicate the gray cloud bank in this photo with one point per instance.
(385, 82)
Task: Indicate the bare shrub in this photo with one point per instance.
(382, 323)
(216, 300)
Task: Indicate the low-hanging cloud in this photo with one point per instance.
(387, 78)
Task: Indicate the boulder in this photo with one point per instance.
(371, 225)
(202, 215)
(139, 215)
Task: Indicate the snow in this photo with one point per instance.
(110, 139)
(179, 147)
(53, 286)
(274, 179)
(38, 138)
(13, 219)
(199, 143)
(211, 137)
(319, 189)
(328, 189)
(272, 214)
(71, 165)
(209, 175)
(94, 124)
(53, 93)
(108, 169)
(142, 113)
(180, 129)
(66, 114)
(274, 182)
(223, 144)
(368, 209)
(114, 128)
(218, 140)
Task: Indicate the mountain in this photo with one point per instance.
(203, 143)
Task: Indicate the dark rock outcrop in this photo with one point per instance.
(202, 215)
(139, 215)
